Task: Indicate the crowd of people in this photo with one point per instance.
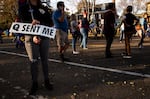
(38, 46)
(133, 26)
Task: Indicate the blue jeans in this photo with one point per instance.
(84, 33)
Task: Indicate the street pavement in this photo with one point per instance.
(88, 75)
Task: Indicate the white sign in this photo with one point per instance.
(27, 28)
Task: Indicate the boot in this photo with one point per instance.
(48, 85)
(34, 88)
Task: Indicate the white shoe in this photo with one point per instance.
(75, 52)
(141, 46)
(85, 48)
(81, 46)
(127, 56)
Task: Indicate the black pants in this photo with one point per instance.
(141, 40)
(1, 38)
(35, 51)
(109, 40)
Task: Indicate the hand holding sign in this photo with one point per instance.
(36, 39)
(34, 22)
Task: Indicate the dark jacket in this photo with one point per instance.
(129, 22)
(109, 22)
(84, 23)
(40, 13)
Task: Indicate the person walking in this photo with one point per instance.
(129, 30)
(75, 33)
(1, 38)
(61, 25)
(109, 29)
(84, 28)
(121, 33)
(145, 22)
(34, 12)
(140, 33)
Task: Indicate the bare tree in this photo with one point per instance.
(79, 5)
(138, 5)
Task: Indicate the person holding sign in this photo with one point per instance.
(61, 25)
(34, 12)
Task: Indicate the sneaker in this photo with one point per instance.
(34, 89)
(85, 48)
(124, 53)
(108, 56)
(75, 52)
(121, 42)
(81, 46)
(63, 58)
(141, 46)
(127, 56)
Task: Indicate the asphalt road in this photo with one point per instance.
(88, 75)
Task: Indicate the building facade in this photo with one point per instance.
(148, 11)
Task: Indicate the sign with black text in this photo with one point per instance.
(27, 28)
